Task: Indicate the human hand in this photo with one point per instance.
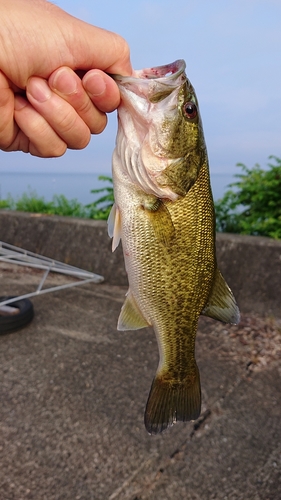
(47, 113)
(58, 113)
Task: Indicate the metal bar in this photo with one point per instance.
(46, 290)
(30, 259)
(15, 255)
(43, 280)
(70, 272)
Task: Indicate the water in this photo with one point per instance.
(75, 185)
(48, 184)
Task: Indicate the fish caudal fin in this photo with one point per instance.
(170, 401)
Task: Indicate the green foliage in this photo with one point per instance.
(60, 205)
(100, 208)
(30, 202)
(4, 204)
(72, 208)
(253, 205)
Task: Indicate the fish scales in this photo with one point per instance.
(164, 215)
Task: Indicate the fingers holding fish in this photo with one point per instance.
(43, 123)
(92, 96)
(69, 114)
(55, 114)
(60, 115)
(102, 90)
(66, 84)
(8, 128)
(32, 133)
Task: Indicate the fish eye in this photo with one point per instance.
(190, 110)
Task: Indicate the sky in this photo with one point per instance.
(232, 50)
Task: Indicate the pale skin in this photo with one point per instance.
(45, 107)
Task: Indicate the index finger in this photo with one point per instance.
(67, 84)
(102, 90)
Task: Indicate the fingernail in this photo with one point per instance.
(19, 103)
(94, 84)
(39, 89)
(64, 82)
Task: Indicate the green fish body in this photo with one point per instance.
(164, 215)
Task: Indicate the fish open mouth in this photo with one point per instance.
(170, 71)
(166, 73)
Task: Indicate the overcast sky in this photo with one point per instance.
(232, 50)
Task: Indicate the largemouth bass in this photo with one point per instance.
(164, 215)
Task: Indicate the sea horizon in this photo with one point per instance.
(76, 186)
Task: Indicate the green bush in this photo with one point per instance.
(31, 202)
(253, 205)
(60, 205)
(100, 208)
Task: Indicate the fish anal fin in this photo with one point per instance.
(114, 226)
(221, 304)
(172, 401)
(160, 219)
(130, 316)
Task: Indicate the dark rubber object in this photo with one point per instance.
(12, 322)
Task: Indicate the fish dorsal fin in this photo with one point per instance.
(221, 304)
(130, 316)
(114, 226)
(160, 219)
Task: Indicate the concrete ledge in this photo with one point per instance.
(252, 268)
(250, 264)
(80, 242)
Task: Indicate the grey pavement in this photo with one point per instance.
(73, 392)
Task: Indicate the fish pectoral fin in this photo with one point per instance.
(160, 219)
(180, 175)
(171, 401)
(114, 226)
(221, 304)
(130, 316)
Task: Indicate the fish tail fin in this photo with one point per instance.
(170, 401)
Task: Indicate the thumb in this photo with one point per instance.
(38, 37)
(93, 47)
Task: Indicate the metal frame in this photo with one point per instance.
(15, 255)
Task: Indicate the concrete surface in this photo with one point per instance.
(73, 392)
